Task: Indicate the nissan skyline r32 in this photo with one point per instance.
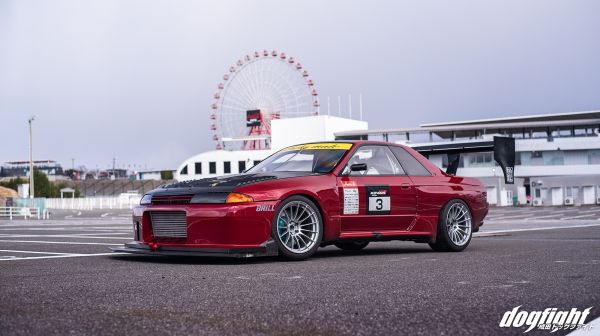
(306, 196)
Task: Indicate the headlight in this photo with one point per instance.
(147, 199)
(238, 198)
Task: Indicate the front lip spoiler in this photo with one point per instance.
(267, 249)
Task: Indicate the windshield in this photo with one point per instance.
(310, 158)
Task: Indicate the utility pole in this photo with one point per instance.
(360, 106)
(31, 188)
(113, 170)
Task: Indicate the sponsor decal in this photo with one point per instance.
(265, 207)
(348, 184)
(550, 319)
(378, 200)
(351, 201)
(323, 145)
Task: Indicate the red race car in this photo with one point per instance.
(342, 193)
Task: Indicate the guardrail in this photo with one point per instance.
(90, 203)
(14, 212)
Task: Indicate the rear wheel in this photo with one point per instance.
(454, 227)
(297, 228)
(352, 245)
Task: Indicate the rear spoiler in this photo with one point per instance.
(503, 148)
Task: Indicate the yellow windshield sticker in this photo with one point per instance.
(323, 145)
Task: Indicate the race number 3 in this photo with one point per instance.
(378, 200)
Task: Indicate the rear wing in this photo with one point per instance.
(503, 148)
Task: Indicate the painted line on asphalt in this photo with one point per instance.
(54, 242)
(34, 252)
(591, 329)
(63, 256)
(483, 234)
(580, 216)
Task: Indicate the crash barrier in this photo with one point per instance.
(17, 212)
(91, 203)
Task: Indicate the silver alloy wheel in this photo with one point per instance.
(298, 226)
(458, 224)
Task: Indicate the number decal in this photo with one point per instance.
(378, 200)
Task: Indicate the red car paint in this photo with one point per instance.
(415, 207)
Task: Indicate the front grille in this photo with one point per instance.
(168, 224)
(171, 199)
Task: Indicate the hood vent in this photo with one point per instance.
(256, 180)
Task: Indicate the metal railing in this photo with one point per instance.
(16, 212)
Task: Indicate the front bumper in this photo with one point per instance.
(235, 230)
(267, 249)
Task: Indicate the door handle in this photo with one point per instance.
(405, 186)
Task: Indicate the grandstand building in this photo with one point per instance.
(14, 169)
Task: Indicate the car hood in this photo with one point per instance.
(224, 184)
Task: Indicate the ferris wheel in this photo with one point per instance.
(255, 90)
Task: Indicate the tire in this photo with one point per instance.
(297, 228)
(351, 245)
(455, 227)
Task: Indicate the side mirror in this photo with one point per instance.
(358, 167)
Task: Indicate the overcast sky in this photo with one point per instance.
(134, 79)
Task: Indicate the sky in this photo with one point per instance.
(133, 80)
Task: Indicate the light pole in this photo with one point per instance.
(31, 188)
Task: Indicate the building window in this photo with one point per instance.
(594, 156)
(198, 168)
(556, 158)
(212, 167)
(226, 167)
(241, 166)
(256, 162)
(480, 160)
(183, 171)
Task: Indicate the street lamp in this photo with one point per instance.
(31, 188)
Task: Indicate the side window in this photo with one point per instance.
(412, 166)
(379, 161)
(184, 170)
(226, 167)
(198, 168)
(241, 166)
(212, 167)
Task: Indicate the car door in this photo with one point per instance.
(379, 197)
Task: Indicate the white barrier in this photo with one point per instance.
(13, 212)
(91, 203)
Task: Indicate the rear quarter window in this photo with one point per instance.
(411, 165)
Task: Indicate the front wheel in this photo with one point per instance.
(297, 228)
(454, 227)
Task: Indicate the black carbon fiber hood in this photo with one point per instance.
(224, 184)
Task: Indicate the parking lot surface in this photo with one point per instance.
(59, 277)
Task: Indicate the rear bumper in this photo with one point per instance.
(267, 249)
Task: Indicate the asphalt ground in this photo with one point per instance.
(58, 277)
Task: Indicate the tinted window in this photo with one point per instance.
(212, 167)
(379, 161)
(241, 166)
(226, 167)
(198, 168)
(411, 165)
(183, 170)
